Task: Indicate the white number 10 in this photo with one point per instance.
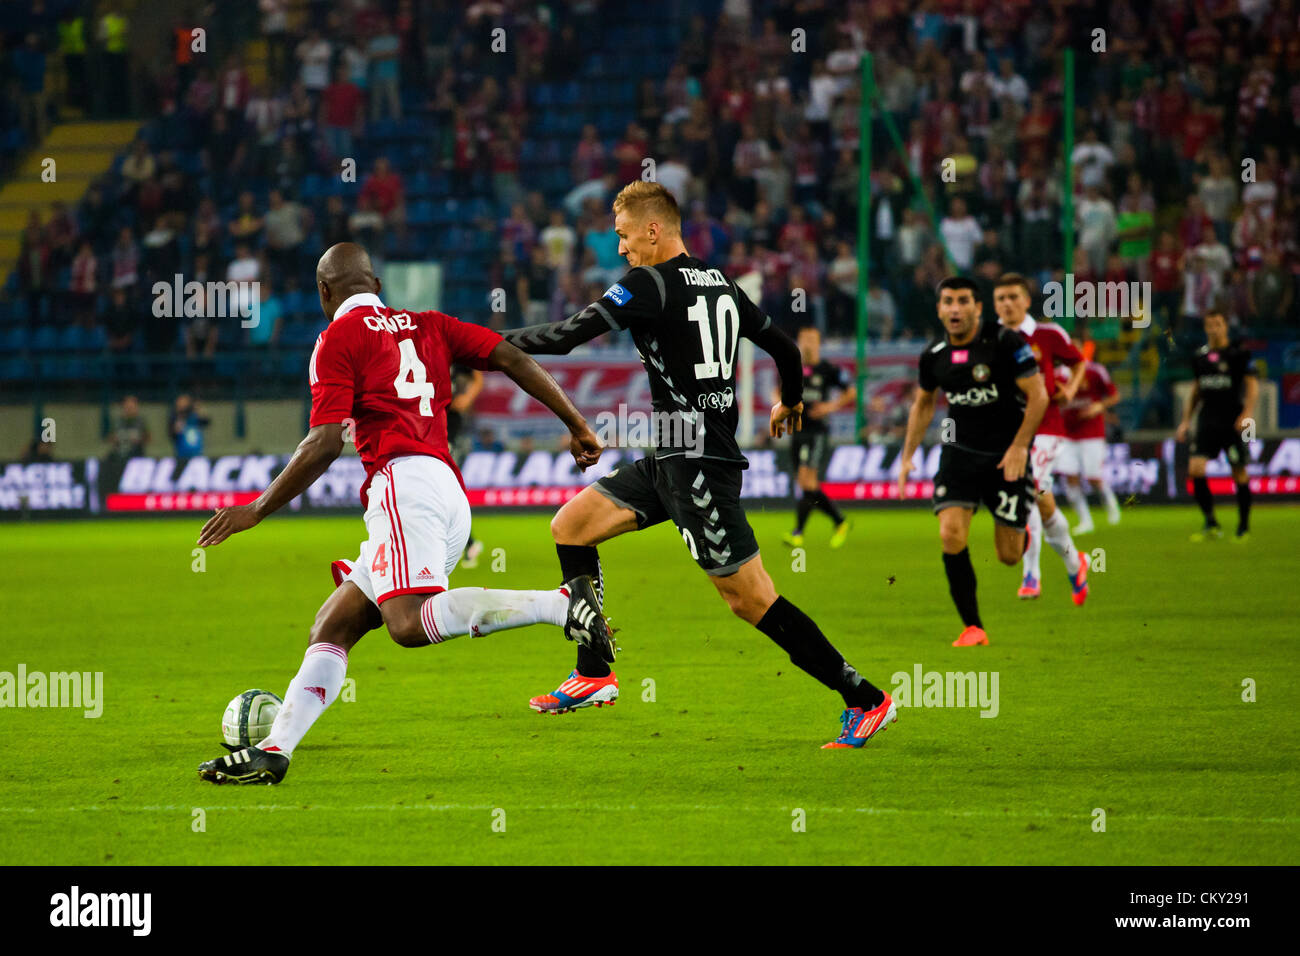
(728, 322)
(412, 380)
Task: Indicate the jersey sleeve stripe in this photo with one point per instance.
(598, 307)
(659, 282)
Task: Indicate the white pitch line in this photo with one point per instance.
(666, 808)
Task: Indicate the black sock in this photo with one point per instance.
(1243, 506)
(1201, 489)
(575, 560)
(796, 634)
(803, 510)
(825, 504)
(961, 585)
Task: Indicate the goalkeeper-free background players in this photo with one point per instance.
(826, 389)
(1225, 389)
(386, 373)
(686, 320)
(996, 399)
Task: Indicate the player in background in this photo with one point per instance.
(810, 445)
(996, 398)
(384, 374)
(1083, 454)
(1051, 347)
(466, 384)
(686, 320)
(1226, 389)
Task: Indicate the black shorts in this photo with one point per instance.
(810, 450)
(967, 481)
(701, 496)
(1214, 437)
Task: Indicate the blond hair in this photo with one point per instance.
(646, 202)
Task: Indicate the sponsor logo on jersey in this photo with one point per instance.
(975, 396)
(1215, 382)
(618, 294)
(980, 373)
(721, 400)
(960, 356)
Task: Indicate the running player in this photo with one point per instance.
(1083, 454)
(811, 444)
(996, 398)
(383, 375)
(1226, 389)
(686, 320)
(1051, 347)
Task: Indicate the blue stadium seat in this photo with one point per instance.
(14, 340)
(45, 339)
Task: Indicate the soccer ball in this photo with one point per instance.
(248, 718)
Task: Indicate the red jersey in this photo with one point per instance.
(389, 371)
(1095, 387)
(1051, 347)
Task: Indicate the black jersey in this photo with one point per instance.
(686, 320)
(1220, 378)
(980, 380)
(819, 381)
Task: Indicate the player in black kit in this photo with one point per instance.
(1226, 388)
(811, 444)
(686, 320)
(996, 399)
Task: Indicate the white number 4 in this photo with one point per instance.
(1006, 506)
(412, 380)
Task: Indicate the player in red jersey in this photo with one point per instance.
(1051, 346)
(382, 376)
(1084, 452)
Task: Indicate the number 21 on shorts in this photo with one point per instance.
(1006, 506)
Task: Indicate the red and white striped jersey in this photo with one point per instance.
(388, 373)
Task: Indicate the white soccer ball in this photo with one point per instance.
(248, 718)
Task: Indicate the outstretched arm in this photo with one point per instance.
(560, 338)
(918, 420)
(313, 455)
(537, 382)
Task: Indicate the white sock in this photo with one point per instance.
(1079, 501)
(1111, 502)
(1057, 532)
(1035, 549)
(480, 611)
(314, 688)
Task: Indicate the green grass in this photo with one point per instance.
(1132, 704)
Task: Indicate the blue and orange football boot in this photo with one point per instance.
(859, 726)
(1079, 581)
(578, 692)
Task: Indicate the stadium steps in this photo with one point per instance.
(82, 152)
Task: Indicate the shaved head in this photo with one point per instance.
(343, 271)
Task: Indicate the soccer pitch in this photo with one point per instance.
(1132, 705)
